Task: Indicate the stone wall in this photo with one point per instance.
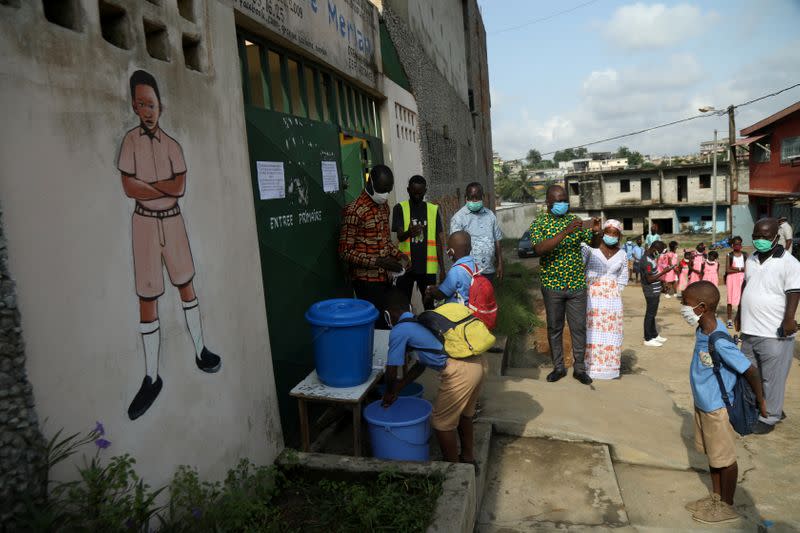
(446, 129)
(20, 439)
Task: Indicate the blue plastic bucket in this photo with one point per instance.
(413, 390)
(401, 431)
(342, 331)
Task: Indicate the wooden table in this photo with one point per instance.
(311, 389)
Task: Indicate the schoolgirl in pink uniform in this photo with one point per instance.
(683, 277)
(734, 276)
(711, 268)
(696, 266)
(670, 261)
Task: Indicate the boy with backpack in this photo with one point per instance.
(464, 284)
(450, 341)
(723, 383)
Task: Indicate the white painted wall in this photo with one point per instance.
(401, 143)
(67, 106)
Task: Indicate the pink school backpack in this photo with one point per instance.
(481, 298)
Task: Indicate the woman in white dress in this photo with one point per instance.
(606, 277)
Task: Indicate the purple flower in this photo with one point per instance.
(102, 443)
(99, 429)
(197, 513)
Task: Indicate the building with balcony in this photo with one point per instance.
(678, 198)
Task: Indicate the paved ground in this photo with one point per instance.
(645, 419)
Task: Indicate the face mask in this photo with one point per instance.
(764, 245)
(377, 197)
(560, 208)
(701, 250)
(610, 241)
(687, 312)
(388, 319)
(737, 247)
(475, 206)
(451, 253)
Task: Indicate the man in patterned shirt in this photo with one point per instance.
(556, 238)
(365, 243)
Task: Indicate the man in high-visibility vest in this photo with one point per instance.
(420, 232)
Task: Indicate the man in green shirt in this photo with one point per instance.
(556, 237)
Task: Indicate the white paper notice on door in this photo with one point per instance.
(330, 176)
(271, 180)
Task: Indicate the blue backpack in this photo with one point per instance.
(742, 411)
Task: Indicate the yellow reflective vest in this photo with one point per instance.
(432, 261)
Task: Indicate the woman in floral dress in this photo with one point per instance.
(606, 277)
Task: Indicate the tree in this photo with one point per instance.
(564, 155)
(514, 188)
(581, 153)
(635, 159)
(534, 157)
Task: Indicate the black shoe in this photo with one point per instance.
(555, 375)
(583, 377)
(761, 428)
(783, 415)
(208, 361)
(147, 394)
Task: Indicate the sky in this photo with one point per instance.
(612, 67)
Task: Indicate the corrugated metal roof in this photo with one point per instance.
(794, 108)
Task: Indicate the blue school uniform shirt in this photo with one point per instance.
(705, 388)
(458, 280)
(407, 336)
(638, 252)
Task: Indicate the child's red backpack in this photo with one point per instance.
(481, 298)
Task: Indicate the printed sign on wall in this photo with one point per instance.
(342, 33)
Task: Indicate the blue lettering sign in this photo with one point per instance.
(331, 13)
(314, 6)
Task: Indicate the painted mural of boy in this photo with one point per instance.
(154, 174)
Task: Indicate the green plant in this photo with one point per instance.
(103, 498)
(516, 313)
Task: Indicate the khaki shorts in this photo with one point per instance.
(156, 240)
(715, 437)
(459, 387)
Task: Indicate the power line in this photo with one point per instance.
(535, 21)
(717, 112)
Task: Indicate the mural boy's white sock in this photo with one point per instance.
(151, 338)
(192, 312)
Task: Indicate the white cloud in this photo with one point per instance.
(614, 101)
(638, 26)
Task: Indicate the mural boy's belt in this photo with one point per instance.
(140, 210)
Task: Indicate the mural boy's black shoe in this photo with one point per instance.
(556, 374)
(208, 361)
(147, 394)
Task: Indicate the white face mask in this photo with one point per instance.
(377, 197)
(388, 319)
(688, 314)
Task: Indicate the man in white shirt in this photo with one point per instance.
(785, 232)
(766, 316)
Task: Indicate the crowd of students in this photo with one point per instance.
(583, 270)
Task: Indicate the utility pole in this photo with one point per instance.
(733, 168)
(714, 193)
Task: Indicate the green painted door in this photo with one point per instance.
(298, 237)
(352, 168)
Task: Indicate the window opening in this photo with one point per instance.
(257, 80)
(192, 52)
(114, 25)
(65, 13)
(156, 40)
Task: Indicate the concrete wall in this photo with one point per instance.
(612, 194)
(68, 225)
(401, 139)
(514, 221)
(694, 193)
